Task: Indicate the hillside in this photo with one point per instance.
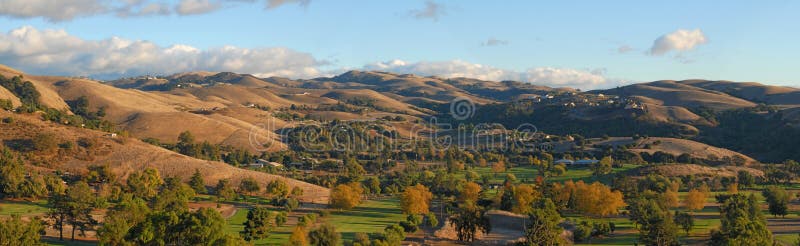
(126, 155)
(675, 147)
(672, 93)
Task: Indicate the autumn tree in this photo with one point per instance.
(524, 196)
(596, 199)
(695, 199)
(346, 196)
(416, 199)
(469, 194)
(298, 237)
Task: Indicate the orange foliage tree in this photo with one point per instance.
(346, 196)
(416, 200)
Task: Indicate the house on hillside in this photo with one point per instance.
(585, 162)
(564, 161)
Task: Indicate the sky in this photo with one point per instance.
(583, 44)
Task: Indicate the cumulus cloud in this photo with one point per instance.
(494, 42)
(550, 76)
(271, 4)
(59, 53)
(66, 10)
(678, 41)
(196, 7)
(52, 10)
(432, 10)
(622, 49)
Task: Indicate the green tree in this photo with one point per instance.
(224, 189)
(249, 185)
(12, 174)
(603, 166)
(15, 231)
(198, 183)
(468, 220)
(741, 223)
(656, 225)
(746, 179)
(324, 235)
(144, 184)
(278, 189)
(80, 202)
(121, 218)
(684, 220)
(543, 228)
(259, 224)
(173, 196)
(778, 200)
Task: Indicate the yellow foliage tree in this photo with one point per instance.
(596, 199)
(346, 196)
(695, 199)
(298, 237)
(416, 200)
(524, 196)
(470, 194)
(499, 167)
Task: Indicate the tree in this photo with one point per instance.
(416, 200)
(144, 184)
(741, 223)
(121, 218)
(373, 185)
(80, 202)
(470, 194)
(746, 178)
(468, 220)
(695, 199)
(685, 221)
(543, 228)
(778, 200)
(278, 188)
(656, 225)
(298, 237)
(12, 174)
(596, 199)
(499, 167)
(197, 182)
(603, 166)
(259, 224)
(173, 196)
(15, 231)
(202, 227)
(346, 196)
(325, 235)
(523, 198)
(224, 189)
(249, 185)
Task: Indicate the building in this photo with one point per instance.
(564, 161)
(585, 162)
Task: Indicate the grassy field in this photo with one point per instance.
(8, 208)
(369, 217)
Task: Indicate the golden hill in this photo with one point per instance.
(126, 155)
(675, 147)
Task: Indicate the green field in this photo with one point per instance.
(8, 208)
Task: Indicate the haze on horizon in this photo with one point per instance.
(582, 44)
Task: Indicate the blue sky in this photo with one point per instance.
(588, 44)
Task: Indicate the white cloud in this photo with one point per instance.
(58, 53)
(622, 49)
(52, 10)
(494, 42)
(550, 76)
(679, 41)
(271, 4)
(196, 7)
(66, 10)
(432, 10)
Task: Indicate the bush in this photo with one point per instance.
(431, 220)
(8, 120)
(582, 232)
(408, 226)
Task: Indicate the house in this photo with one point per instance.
(564, 161)
(585, 162)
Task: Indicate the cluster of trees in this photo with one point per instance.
(594, 199)
(24, 90)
